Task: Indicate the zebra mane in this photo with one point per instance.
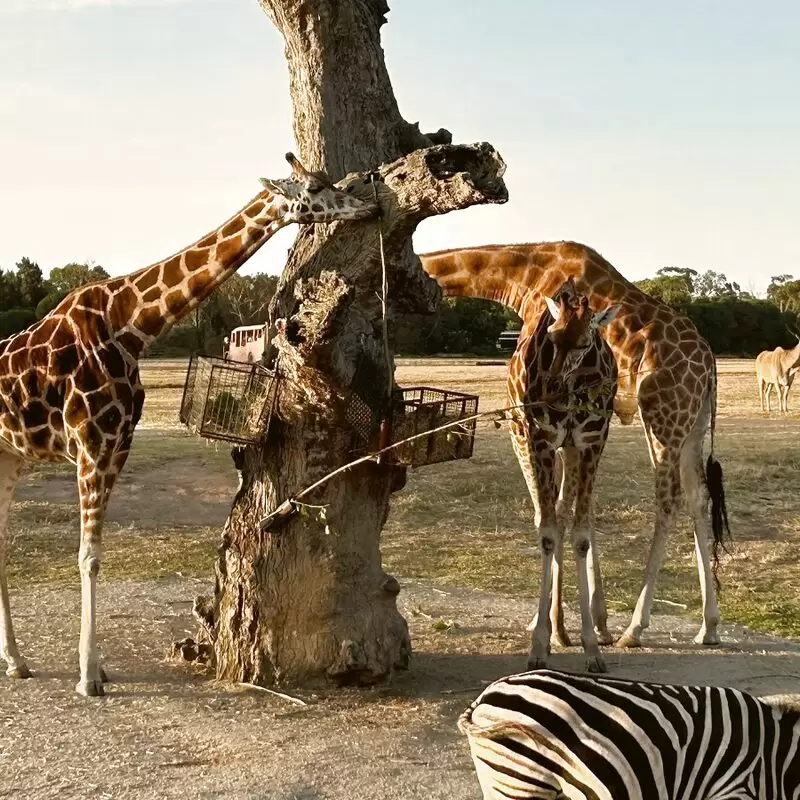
(788, 703)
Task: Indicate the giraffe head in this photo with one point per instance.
(309, 197)
(574, 327)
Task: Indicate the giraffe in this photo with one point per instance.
(777, 368)
(666, 370)
(566, 375)
(70, 388)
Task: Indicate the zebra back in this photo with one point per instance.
(547, 734)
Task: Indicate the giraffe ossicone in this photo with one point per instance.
(69, 384)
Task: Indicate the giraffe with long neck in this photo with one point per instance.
(666, 370)
(70, 388)
(566, 375)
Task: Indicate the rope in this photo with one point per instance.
(384, 287)
(384, 298)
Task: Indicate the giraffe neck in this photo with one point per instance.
(149, 302)
(515, 275)
(506, 276)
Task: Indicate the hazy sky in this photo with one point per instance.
(658, 133)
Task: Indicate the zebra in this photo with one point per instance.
(547, 734)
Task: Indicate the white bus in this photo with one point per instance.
(246, 343)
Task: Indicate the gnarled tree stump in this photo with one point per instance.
(308, 598)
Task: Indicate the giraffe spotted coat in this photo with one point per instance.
(566, 377)
(70, 388)
(666, 371)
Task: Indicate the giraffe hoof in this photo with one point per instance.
(19, 671)
(627, 640)
(596, 665)
(537, 663)
(604, 638)
(90, 688)
(707, 638)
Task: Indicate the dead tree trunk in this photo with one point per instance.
(308, 598)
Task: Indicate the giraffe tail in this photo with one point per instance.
(719, 513)
(716, 489)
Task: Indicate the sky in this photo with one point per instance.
(661, 134)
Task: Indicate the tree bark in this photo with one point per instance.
(308, 597)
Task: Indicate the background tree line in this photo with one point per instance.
(732, 320)
(26, 296)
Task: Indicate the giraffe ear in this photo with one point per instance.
(269, 185)
(607, 315)
(553, 307)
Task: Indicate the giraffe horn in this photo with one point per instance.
(297, 166)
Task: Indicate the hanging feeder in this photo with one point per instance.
(418, 409)
(228, 400)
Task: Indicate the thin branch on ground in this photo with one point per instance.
(295, 700)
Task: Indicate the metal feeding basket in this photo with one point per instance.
(421, 408)
(228, 400)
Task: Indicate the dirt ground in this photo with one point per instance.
(168, 730)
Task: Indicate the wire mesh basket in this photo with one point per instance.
(228, 400)
(422, 408)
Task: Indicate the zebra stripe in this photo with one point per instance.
(553, 735)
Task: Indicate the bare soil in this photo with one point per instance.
(168, 730)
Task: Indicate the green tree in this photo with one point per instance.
(72, 275)
(49, 302)
(30, 282)
(784, 292)
(245, 298)
(671, 289)
(9, 291)
(15, 320)
(712, 284)
(462, 325)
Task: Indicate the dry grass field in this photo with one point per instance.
(460, 540)
(467, 523)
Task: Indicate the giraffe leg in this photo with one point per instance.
(564, 511)
(523, 447)
(540, 638)
(582, 536)
(597, 597)
(668, 495)
(767, 393)
(94, 487)
(543, 493)
(10, 469)
(597, 602)
(693, 480)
